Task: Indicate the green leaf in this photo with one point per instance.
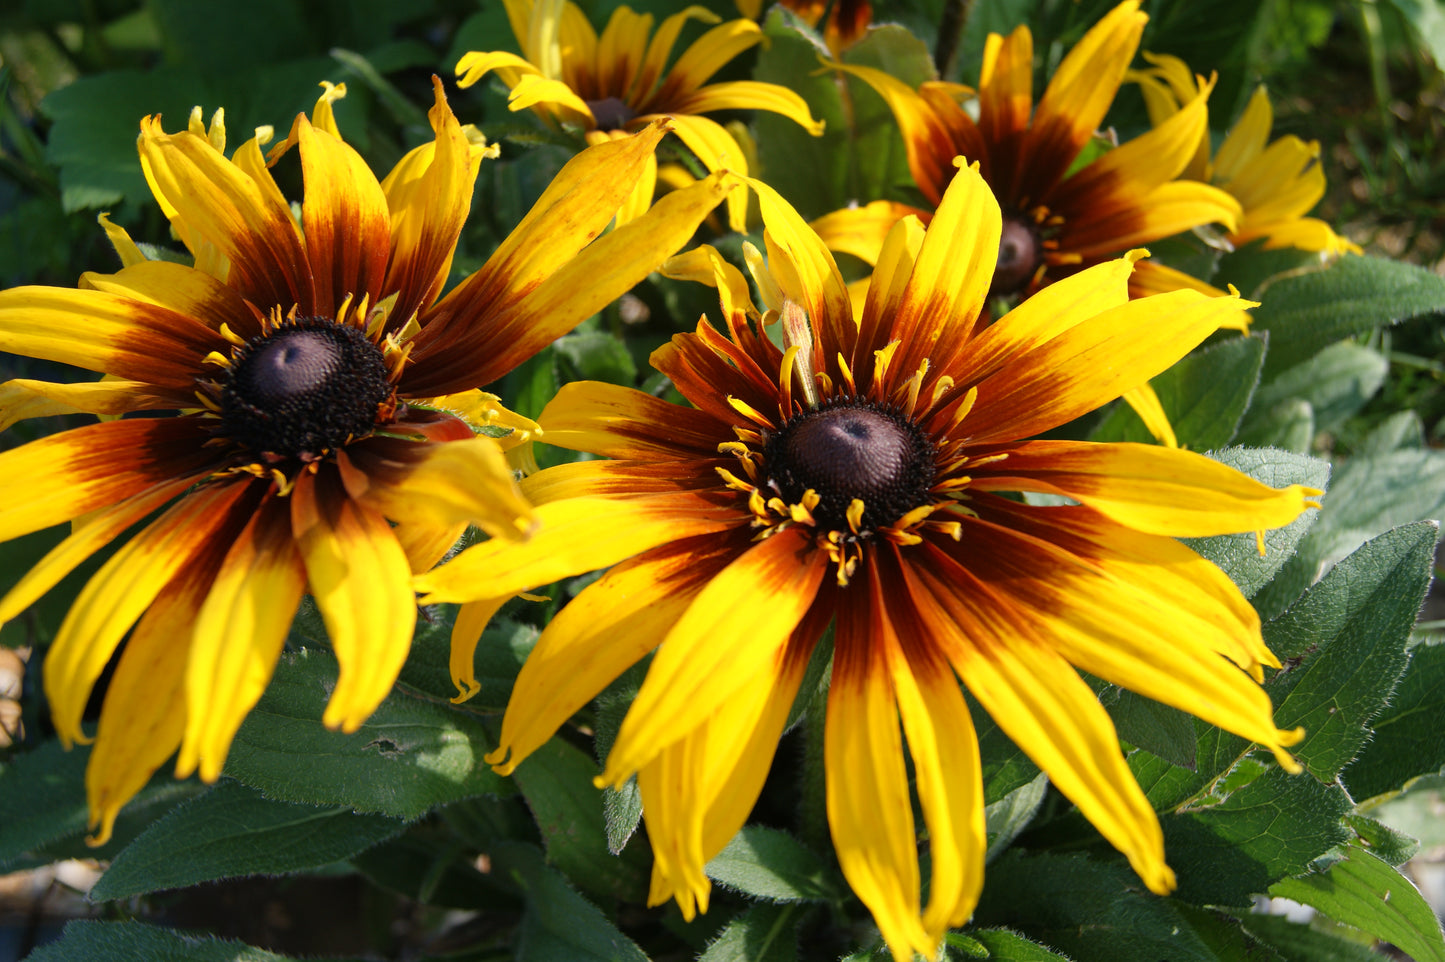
(1351, 629)
(1304, 943)
(1251, 266)
(1305, 312)
(596, 356)
(410, 756)
(1204, 395)
(1409, 735)
(1370, 494)
(1224, 936)
(1401, 431)
(499, 656)
(1006, 946)
(85, 941)
(1238, 554)
(1427, 19)
(232, 831)
(1271, 828)
(432, 866)
(1336, 383)
(771, 864)
(1152, 726)
(42, 800)
(1086, 910)
(1010, 815)
(559, 925)
(762, 933)
(860, 155)
(556, 781)
(621, 808)
(1290, 424)
(1394, 847)
(1366, 892)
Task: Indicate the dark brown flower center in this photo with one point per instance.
(611, 113)
(1019, 254)
(851, 449)
(303, 389)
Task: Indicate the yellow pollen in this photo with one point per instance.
(747, 411)
(915, 516)
(216, 357)
(855, 515)
(882, 358)
(847, 373)
(232, 336)
(733, 481)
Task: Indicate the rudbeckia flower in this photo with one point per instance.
(616, 83)
(872, 475)
(1059, 215)
(298, 416)
(1276, 184)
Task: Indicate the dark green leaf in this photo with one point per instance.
(1368, 496)
(1224, 936)
(1089, 911)
(1271, 828)
(1005, 767)
(1204, 396)
(559, 925)
(1399, 432)
(1366, 892)
(432, 867)
(1006, 946)
(88, 941)
(232, 831)
(1238, 554)
(42, 799)
(1427, 19)
(1305, 312)
(1336, 383)
(1251, 266)
(556, 781)
(1409, 735)
(1351, 629)
(411, 755)
(621, 808)
(771, 864)
(596, 356)
(860, 155)
(762, 933)
(1303, 943)
(1158, 728)
(499, 656)
(1289, 424)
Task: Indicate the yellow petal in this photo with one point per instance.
(750, 95)
(717, 150)
(1150, 489)
(620, 422)
(861, 231)
(455, 482)
(659, 50)
(707, 55)
(1145, 403)
(23, 399)
(360, 578)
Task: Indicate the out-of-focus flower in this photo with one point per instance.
(860, 475)
(299, 412)
(1276, 183)
(616, 83)
(1060, 215)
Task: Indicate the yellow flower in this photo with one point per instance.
(860, 475)
(303, 418)
(1276, 184)
(1059, 217)
(615, 83)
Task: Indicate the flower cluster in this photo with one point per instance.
(872, 471)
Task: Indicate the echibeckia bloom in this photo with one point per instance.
(1057, 219)
(616, 83)
(1276, 183)
(300, 413)
(866, 475)
(847, 20)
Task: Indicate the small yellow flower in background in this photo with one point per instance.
(615, 83)
(860, 475)
(1057, 219)
(1276, 183)
(302, 416)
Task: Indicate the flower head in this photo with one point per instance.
(1276, 183)
(1060, 216)
(866, 474)
(618, 82)
(298, 410)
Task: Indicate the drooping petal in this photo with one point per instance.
(105, 333)
(23, 399)
(805, 270)
(601, 633)
(1166, 210)
(475, 65)
(707, 55)
(126, 585)
(237, 636)
(717, 150)
(861, 231)
(928, 138)
(66, 475)
(1038, 699)
(361, 581)
(755, 602)
(659, 49)
(870, 815)
(749, 95)
(1151, 489)
(187, 292)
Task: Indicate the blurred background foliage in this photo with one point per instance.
(76, 76)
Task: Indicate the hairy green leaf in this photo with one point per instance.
(85, 941)
(771, 864)
(1409, 735)
(762, 933)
